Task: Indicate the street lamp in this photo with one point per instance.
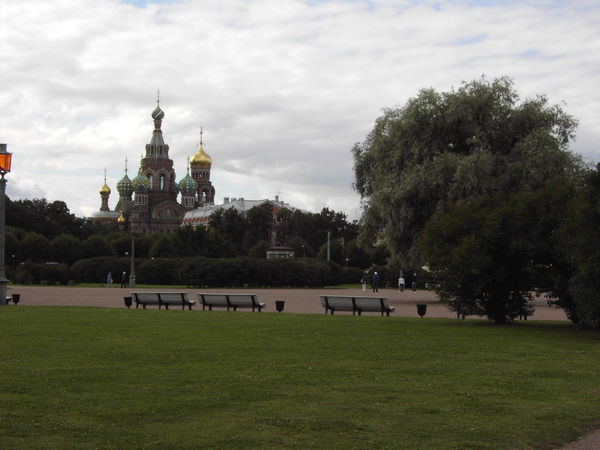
(132, 270)
(5, 163)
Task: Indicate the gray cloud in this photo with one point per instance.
(282, 89)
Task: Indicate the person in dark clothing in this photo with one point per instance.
(123, 280)
(375, 282)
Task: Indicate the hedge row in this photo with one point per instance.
(201, 272)
(206, 272)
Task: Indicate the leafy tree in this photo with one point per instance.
(36, 248)
(305, 226)
(66, 249)
(445, 148)
(258, 220)
(481, 256)
(578, 241)
(12, 247)
(285, 229)
(259, 250)
(121, 243)
(162, 248)
(356, 256)
(217, 246)
(143, 243)
(96, 246)
(189, 241)
(301, 248)
(379, 254)
(47, 219)
(335, 252)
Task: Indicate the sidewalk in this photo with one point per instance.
(303, 301)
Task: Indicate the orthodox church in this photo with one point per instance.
(148, 203)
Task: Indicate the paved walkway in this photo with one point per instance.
(303, 301)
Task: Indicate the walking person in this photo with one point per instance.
(123, 280)
(401, 284)
(414, 283)
(375, 282)
(109, 280)
(363, 281)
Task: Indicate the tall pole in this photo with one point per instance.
(132, 270)
(5, 164)
(3, 279)
(328, 249)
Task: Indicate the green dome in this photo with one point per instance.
(188, 184)
(158, 114)
(125, 186)
(141, 182)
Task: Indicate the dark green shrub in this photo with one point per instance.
(95, 270)
(158, 271)
(351, 275)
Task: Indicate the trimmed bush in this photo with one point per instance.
(94, 270)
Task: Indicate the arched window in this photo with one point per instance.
(162, 182)
(150, 180)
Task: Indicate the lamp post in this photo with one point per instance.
(5, 163)
(132, 270)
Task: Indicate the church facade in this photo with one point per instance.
(148, 203)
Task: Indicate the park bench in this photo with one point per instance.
(162, 298)
(356, 304)
(233, 301)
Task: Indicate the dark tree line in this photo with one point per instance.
(40, 232)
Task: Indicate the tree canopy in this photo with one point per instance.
(445, 148)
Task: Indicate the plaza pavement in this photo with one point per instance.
(303, 301)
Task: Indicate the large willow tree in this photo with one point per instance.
(444, 148)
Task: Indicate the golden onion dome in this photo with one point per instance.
(104, 189)
(121, 218)
(200, 158)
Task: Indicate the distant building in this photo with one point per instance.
(149, 203)
(280, 252)
(201, 216)
(105, 216)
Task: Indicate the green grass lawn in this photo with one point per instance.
(108, 378)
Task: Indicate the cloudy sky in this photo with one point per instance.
(282, 88)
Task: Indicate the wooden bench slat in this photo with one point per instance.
(230, 301)
(356, 304)
(162, 298)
